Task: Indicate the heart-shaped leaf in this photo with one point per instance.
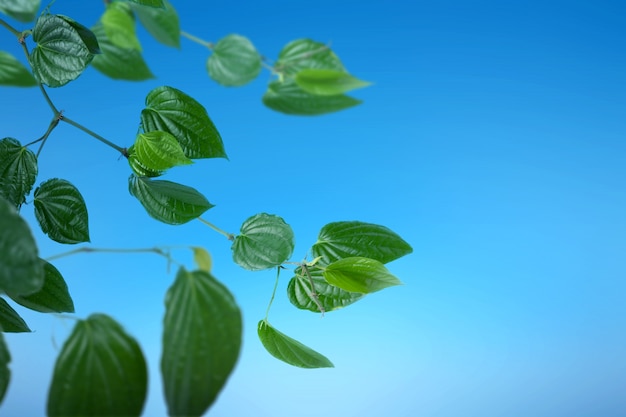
(162, 23)
(18, 171)
(158, 151)
(234, 61)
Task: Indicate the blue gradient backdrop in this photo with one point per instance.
(492, 140)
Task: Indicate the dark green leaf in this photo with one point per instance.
(157, 151)
(138, 167)
(61, 211)
(119, 63)
(265, 241)
(18, 171)
(53, 297)
(10, 321)
(357, 274)
(327, 82)
(14, 73)
(168, 201)
(100, 371)
(5, 372)
(170, 110)
(161, 23)
(234, 62)
(119, 26)
(328, 296)
(21, 272)
(289, 350)
(61, 54)
(201, 342)
(22, 10)
(306, 54)
(87, 36)
(353, 238)
(287, 97)
(151, 3)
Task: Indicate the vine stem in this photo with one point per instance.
(159, 251)
(314, 295)
(267, 312)
(229, 236)
(10, 28)
(121, 150)
(196, 39)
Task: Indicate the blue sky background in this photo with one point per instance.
(492, 140)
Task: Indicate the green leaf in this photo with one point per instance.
(21, 272)
(100, 371)
(168, 201)
(10, 321)
(5, 372)
(61, 211)
(87, 36)
(161, 23)
(287, 97)
(234, 62)
(328, 296)
(22, 10)
(327, 82)
(150, 3)
(201, 342)
(357, 274)
(14, 73)
(339, 240)
(202, 258)
(265, 241)
(63, 50)
(53, 297)
(289, 350)
(119, 26)
(158, 151)
(18, 171)
(138, 167)
(306, 54)
(170, 110)
(119, 63)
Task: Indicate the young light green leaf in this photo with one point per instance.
(202, 258)
(119, 63)
(168, 201)
(322, 294)
(14, 73)
(161, 23)
(119, 26)
(61, 54)
(361, 275)
(339, 240)
(10, 321)
(18, 171)
(289, 350)
(53, 297)
(22, 10)
(202, 332)
(100, 371)
(265, 241)
(170, 110)
(325, 82)
(138, 167)
(234, 61)
(287, 97)
(306, 54)
(150, 3)
(61, 211)
(21, 272)
(5, 371)
(159, 151)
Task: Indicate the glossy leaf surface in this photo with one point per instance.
(168, 201)
(100, 371)
(22, 10)
(265, 241)
(18, 171)
(61, 211)
(14, 73)
(287, 97)
(234, 61)
(289, 350)
(10, 321)
(53, 297)
(361, 275)
(306, 54)
(158, 151)
(201, 342)
(162, 23)
(119, 26)
(327, 82)
(5, 371)
(138, 167)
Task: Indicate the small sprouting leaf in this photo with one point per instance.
(202, 258)
(202, 332)
(18, 171)
(170, 110)
(289, 350)
(265, 241)
(168, 201)
(22, 10)
(61, 211)
(150, 3)
(100, 371)
(161, 23)
(345, 239)
(234, 61)
(306, 54)
(287, 97)
(138, 167)
(119, 63)
(327, 82)
(119, 26)
(357, 274)
(10, 321)
(158, 151)
(53, 297)
(14, 73)
(5, 372)
(21, 272)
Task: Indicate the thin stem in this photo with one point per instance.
(45, 95)
(267, 312)
(10, 28)
(121, 150)
(229, 236)
(54, 123)
(196, 39)
(314, 295)
(159, 251)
